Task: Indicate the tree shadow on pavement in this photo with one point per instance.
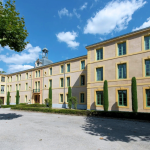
(117, 129)
(9, 116)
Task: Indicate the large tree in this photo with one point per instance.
(12, 27)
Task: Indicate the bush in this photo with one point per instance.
(8, 95)
(73, 101)
(69, 100)
(105, 89)
(134, 95)
(1, 101)
(17, 97)
(113, 114)
(50, 93)
(8, 106)
(48, 102)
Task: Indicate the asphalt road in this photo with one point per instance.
(22, 130)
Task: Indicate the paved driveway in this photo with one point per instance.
(20, 130)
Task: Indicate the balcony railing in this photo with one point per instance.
(36, 90)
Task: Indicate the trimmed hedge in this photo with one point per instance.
(7, 106)
(112, 114)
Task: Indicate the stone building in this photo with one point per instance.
(116, 60)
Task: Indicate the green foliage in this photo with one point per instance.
(73, 101)
(112, 114)
(134, 95)
(48, 102)
(12, 28)
(50, 93)
(69, 103)
(8, 95)
(17, 97)
(1, 101)
(8, 106)
(2, 72)
(69, 92)
(69, 96)
(105, 90)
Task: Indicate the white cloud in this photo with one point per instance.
(102, 39)
(76, 14)
(17, 68)
(27, 56)
(78, 27)
(68, 38)
(114, 16)
(64, 12)
(1, 69)
(144, 25)
(84, 6)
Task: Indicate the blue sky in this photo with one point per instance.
(66, 27)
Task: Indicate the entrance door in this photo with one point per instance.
(37, 98)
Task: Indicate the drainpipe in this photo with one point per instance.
(64, 86)
(43, 87)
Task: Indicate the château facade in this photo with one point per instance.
(116, 60)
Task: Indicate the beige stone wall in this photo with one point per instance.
(134, 60)
(44, 78)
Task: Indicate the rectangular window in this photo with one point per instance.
(82, 64)
(36, 74)
(99, 54)
(99, 97)
(26, 86)
(39, 73)
(122, 73)
(7, 79)
(50, 71)
(68, 67)
(82, 97)
(62, 69)
(26, 75)
(50, 83)
(99, 74)
(68, 81)
(19, 87)
(38, 84)
(2, 89)
(122, 49)
(11, 79)
(10, 88)
(147, 42)
(26, 98)
(61, 98)
(61, 82)
(148, 97)
(147, 67)
(16, 77)
(20, 77)
(2, 79)
(122, 97)
(82, 80)
(16, 87)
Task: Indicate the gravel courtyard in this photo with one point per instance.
(22, 130)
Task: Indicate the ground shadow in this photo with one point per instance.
(9, 116)
(114, 107)
(117, 129)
